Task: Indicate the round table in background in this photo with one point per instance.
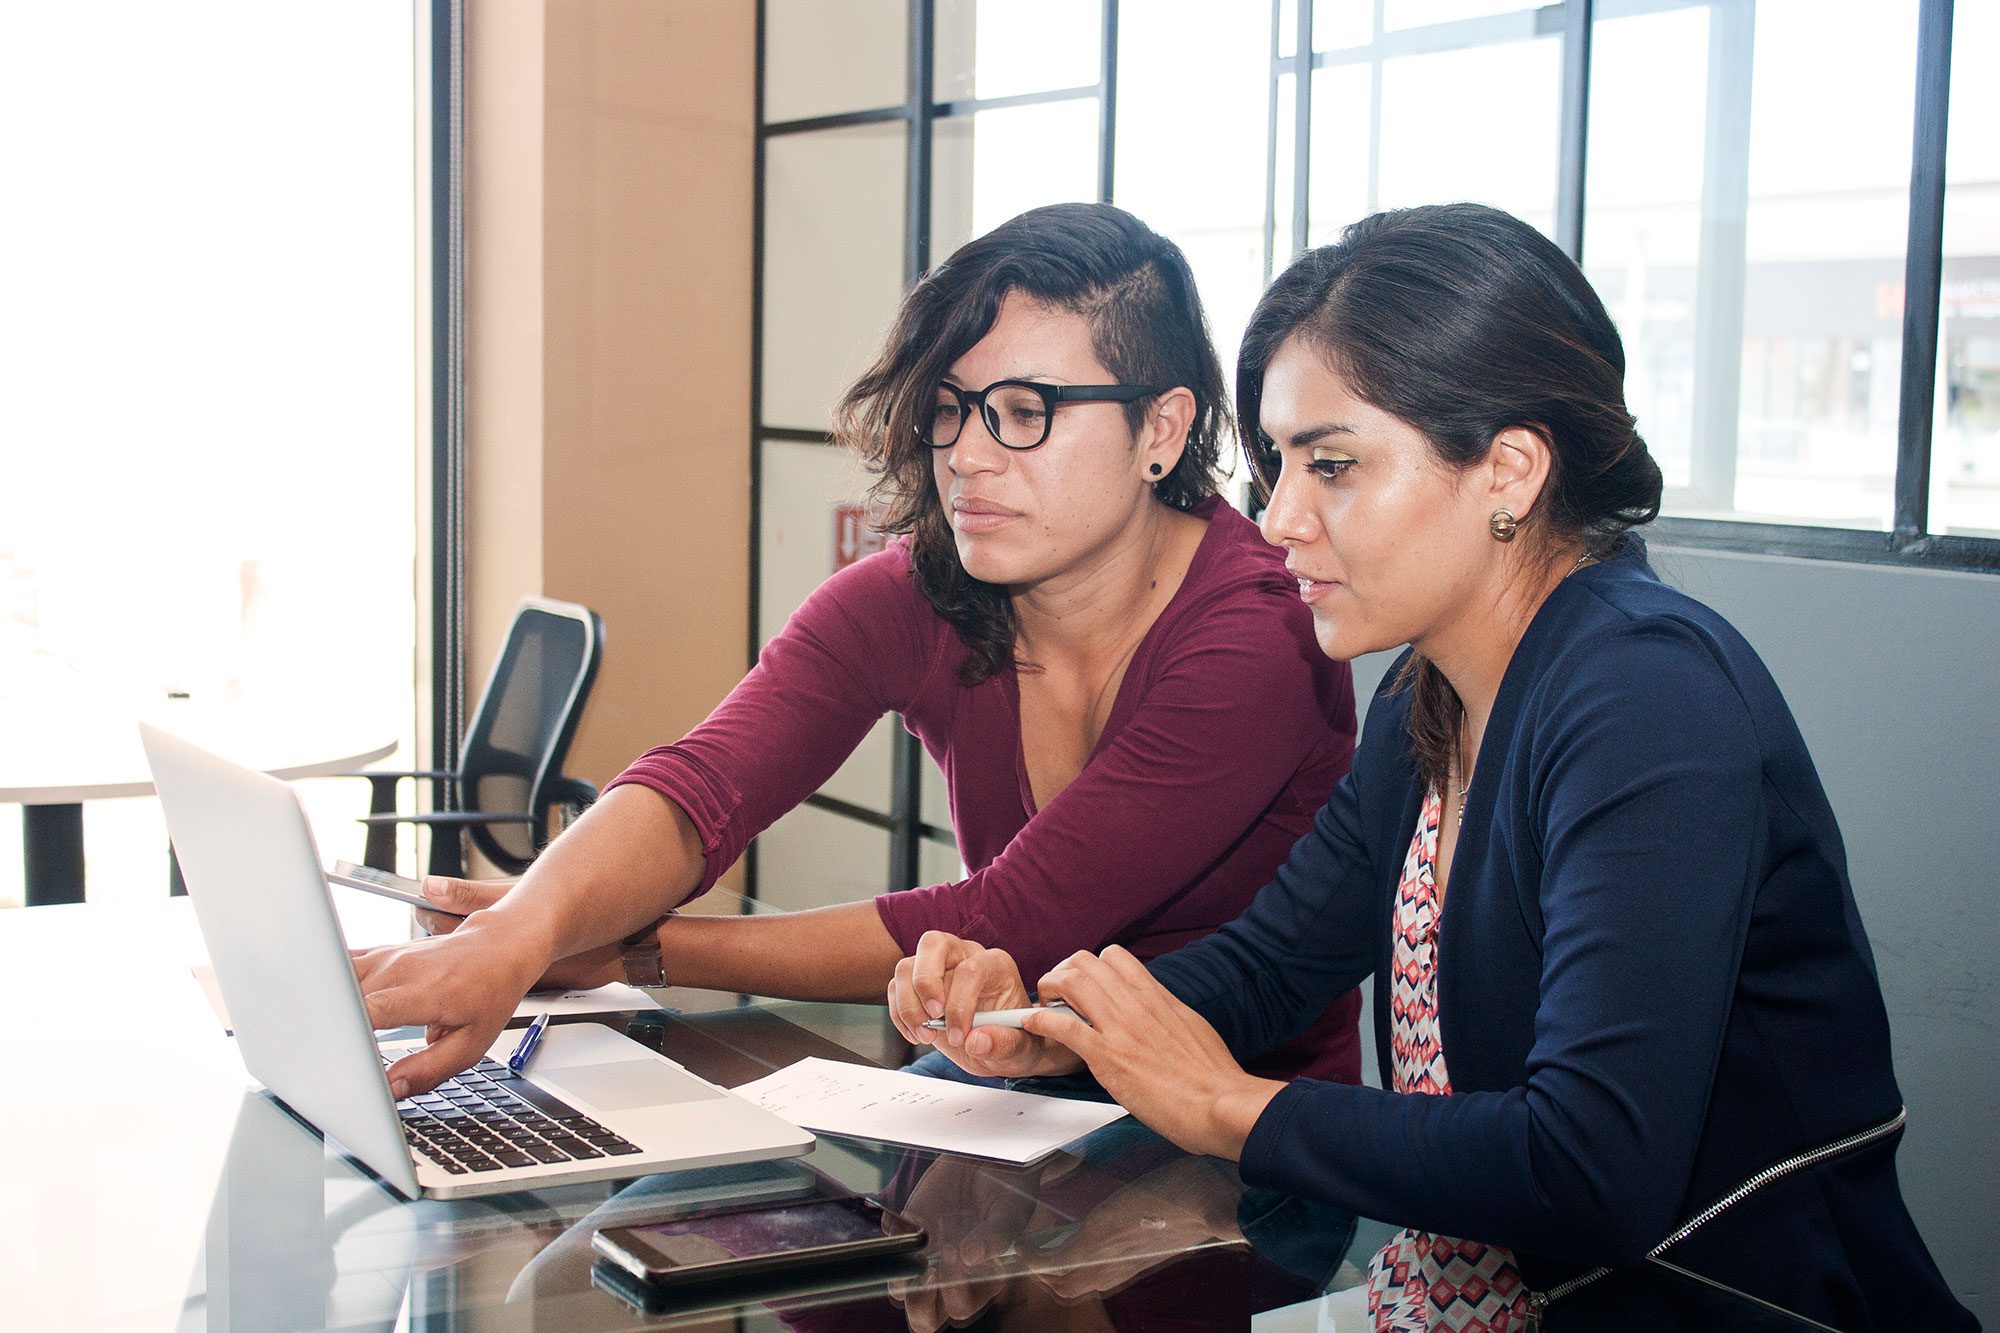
(57, 754)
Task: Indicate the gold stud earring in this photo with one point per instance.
(1503, 525)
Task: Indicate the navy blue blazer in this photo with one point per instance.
(1652, 979)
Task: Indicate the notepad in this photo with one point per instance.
(889, 1106)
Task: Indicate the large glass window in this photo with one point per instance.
(207, 380)
(1744, 207)
(1754, 250)
(1965, 460)
(1192, 162)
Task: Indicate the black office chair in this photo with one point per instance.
(509, 778)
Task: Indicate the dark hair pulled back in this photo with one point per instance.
(1135, 289)
(1464, 321)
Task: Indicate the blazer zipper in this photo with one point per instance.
(1539, 1301)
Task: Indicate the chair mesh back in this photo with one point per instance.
(514, 736)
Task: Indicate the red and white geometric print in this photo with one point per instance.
(1420, 1280)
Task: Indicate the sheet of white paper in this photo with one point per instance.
(615, 998)
(890, 1106)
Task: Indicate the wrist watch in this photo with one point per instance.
(640, 953)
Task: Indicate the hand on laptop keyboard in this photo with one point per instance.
(461, 988)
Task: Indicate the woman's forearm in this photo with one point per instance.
(632, 857)
(828, 953)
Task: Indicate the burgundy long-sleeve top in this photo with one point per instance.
(1228, 732)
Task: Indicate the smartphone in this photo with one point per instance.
(747, 1240)
(386, 883)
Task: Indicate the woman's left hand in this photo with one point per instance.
(458, 899)
(1160, 1059)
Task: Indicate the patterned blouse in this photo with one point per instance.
(1420, 1280)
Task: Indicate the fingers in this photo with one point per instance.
(1126, 964)
(987, 979)
(462, 897)
(420, 1071)
(436, 923)
(1101, 986)
(938, 952)
(1000, 1047)
(398, 1007)
(906, 1011)
(1066, 1029)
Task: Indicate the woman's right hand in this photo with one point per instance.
(461, 988)
(952, 978)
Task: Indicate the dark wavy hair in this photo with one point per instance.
(1147, 327)
(1465, 321)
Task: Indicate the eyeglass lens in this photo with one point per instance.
(1016, 415)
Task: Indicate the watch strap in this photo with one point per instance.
(640, 954)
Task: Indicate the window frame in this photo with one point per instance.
(1909, 541)
(919, 112)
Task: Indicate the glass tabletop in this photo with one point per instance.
(1119, 1229)
(147, 1188)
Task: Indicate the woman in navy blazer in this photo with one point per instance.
(1652, 984)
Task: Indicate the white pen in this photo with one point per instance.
(1007, 1018)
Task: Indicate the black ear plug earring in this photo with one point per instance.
(1156, 469)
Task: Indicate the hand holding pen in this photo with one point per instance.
(1010, 1018)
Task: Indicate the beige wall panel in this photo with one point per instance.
(811, 858)
(610, 159)
(935, 807)
(802, 484)
(825, 57)
(650, 147)
(939, 865)
(503, 314)
(833, 264)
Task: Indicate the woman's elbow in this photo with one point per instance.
(1607, 1207)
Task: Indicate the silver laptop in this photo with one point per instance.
(595, 1105)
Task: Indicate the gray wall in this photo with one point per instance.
(1894, 675)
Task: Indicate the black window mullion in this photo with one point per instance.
(1577, 19)
(1271, 153)
(1107, 106)
(1302, 126)
(447, 369)
(919, 112)
(754, 646)
(1923, 271)
(838, 120)
(906, 763)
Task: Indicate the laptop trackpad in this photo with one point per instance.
(620, 1085)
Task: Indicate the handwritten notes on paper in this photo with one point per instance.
(890, 1106)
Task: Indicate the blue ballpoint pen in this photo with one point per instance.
(518, 1061)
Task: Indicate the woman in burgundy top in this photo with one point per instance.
(1111, 668)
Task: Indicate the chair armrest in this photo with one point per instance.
(373, 773)
(459, 818)
(566, 790)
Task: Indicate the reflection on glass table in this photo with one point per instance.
(1120, 1226)
(1119, 1230)
(150, 1190)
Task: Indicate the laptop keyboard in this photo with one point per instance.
(489, 1119)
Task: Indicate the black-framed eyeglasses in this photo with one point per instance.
(1017, 412)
